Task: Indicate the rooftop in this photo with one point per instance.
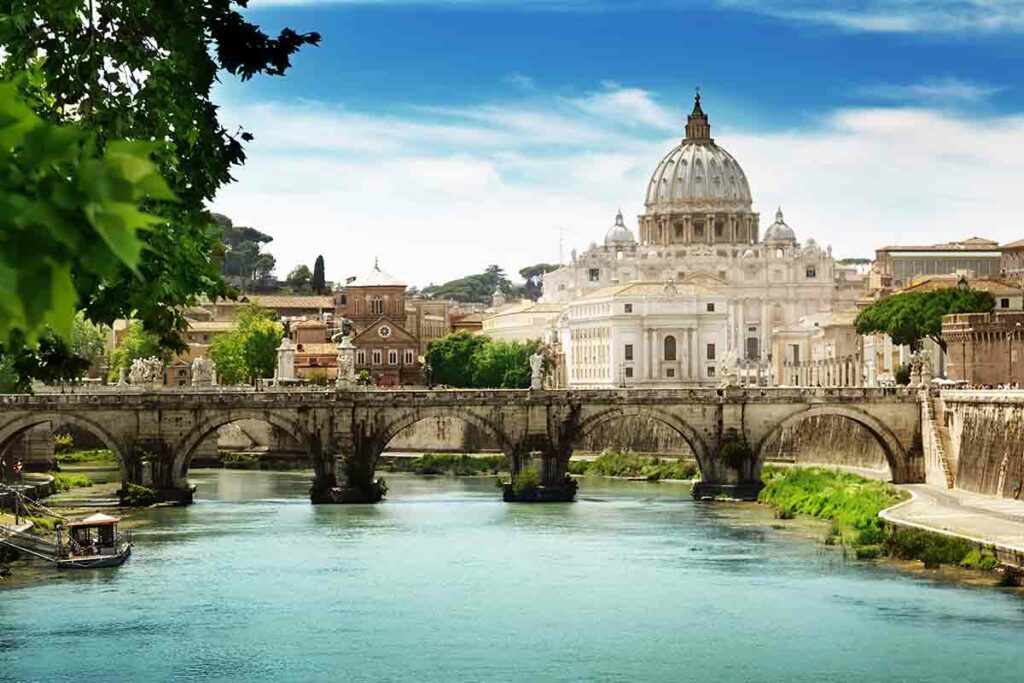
(969, 244)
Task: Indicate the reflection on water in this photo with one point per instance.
(443, 582)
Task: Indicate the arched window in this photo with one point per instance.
(377, 306)
(670, 348)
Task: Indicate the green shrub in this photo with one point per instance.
(980, 558)
(138, 496)
(63, 443)
(97, 455)
(902, 375)
(932, 549)
(65, 482)
(734, 450)
(525, 483)
(457, 465)
(625, 464)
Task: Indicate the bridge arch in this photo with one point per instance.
(207, 425)
(895, 454)
(683, 429)
(21, 424)
(407, 419)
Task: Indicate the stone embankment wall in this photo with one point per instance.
(443, 435)
(828, 440)
(637, 434)
(987, 441)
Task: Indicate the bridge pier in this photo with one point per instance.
(539, 477)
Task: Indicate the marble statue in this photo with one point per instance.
(203, 372)
(537, 371)
(146, 371)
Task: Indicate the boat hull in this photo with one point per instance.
(95, 561)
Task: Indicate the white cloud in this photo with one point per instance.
(946, 89)
(896, 16)
(438, 193)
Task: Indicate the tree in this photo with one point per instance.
(319, 278)
(69, 212)
(137, 342)
(300, 278)
(534, 277)
(144, 70)
(466, 360)
(243, 255)
(88, 341)
(249, 351)
(909, 317)
(472, 288)
(854, 261)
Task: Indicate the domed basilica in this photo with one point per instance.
(699, 289)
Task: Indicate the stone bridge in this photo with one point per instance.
(154, 434)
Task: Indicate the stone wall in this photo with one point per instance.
(987, 436)
(443, 435)
(827, 440)
(637, 434)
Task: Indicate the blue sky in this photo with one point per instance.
(444, 136)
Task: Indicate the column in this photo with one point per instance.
(766, 323)
(652, 351)
(709, 228)
(692, 359)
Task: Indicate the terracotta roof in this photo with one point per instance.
(468, 318)
(311, 323)
(1019, 244)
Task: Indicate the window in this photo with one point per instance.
(670, 348)
(343, 300)
(410, 359)
(1004, 303)
(711, 351)
(811, 272)
(377, 305)
(629, 352)
(711, 372)
(376, 356)
(360, 357)
(392, 357)
(629, 372)
(594, 274)
(670, 372)
(627, 308)
(711, 308)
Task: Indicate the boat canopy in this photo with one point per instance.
(99, 519)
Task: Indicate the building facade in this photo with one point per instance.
(896, 267)
(700, 233)
(985, 348)
(645, 333)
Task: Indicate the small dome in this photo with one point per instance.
(779, 231)
(619, 235)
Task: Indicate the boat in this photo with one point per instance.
(93, 542)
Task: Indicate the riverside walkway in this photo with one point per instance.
(986, 520)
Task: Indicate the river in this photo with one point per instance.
(443, 582)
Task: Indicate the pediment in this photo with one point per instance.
(396, 334)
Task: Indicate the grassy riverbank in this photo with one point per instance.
(852, 504)
(632, 466)
(95, 456)
(450, 464)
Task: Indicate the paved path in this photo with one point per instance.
(983, 519)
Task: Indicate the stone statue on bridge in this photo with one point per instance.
(204, 372)
(146, 371)
(730, 369)
(537, 371)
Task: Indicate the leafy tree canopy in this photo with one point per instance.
(243, 255)
(319, 282)
(909, 317)
(70, 212)
(466, 360)
(300, 279)
(477, 288)
(533, 275)
(141, 70)
(249, 351)
(854, 261)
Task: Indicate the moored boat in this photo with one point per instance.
(93, 542)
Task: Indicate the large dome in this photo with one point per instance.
(698, 171)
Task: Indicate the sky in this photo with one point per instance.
(442, 136)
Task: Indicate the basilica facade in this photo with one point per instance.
(697, 286)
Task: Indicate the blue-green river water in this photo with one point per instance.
(443, 582)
